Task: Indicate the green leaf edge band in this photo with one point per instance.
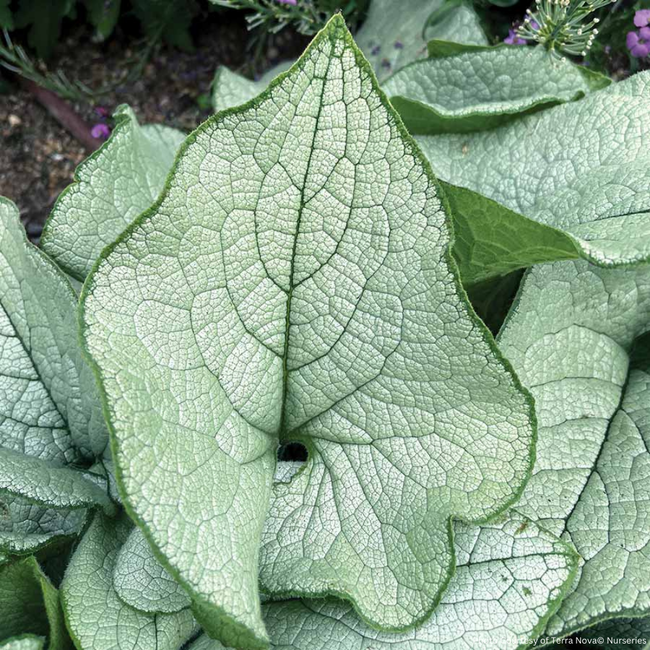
(335, 28)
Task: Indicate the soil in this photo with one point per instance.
(38, 156)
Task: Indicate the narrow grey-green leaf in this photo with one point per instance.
(23, 642)
(96, 617)
(45, 483)
(112, 187)
(582, 167)
(29, 603)
(492, 240)
(294, 283)
(511, 576)
(48, 404)
(618, 633)
(142, 582)
(481, 87)
(231, 89)
(26, 527)
(570, 336)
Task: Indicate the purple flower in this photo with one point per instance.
(100, 131)
(399, 45)
(639, 43)
(375, 50)
(513, 39)
(287, 2)
(642, 17)
(534, 25)
(102, 111)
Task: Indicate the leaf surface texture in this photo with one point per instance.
(293, 283)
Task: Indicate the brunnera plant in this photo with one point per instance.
(293, 279)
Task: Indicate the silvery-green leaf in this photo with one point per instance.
(573, 337)
(231, 89)
(617, 633)
(112, 187)
(393, 32)
(48, 404)
(478, 88)
(29, 603)
(46, 483)
(142, 582)
(96, 617)
(582, 167)
(26, 527)
(23, 642)
(511, 576)
(492, 241)
(293, 283)
(460, 24)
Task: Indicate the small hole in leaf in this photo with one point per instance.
(292, 456)
(292, 451)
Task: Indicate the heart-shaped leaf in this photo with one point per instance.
(294, 283)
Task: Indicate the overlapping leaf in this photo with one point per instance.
(393, 33)
(96, 617)
(579, 167)
(49, 412)
(142, 582)
(111, 188)
(231, 89)
(511, 576)
(455, 22)
(492, 241)
(23, 642)
(380, 41)
(44, 483)
(293, 283)
(473, 88)
(573, 338)
(29, 603)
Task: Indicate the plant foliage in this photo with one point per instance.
(294, 275)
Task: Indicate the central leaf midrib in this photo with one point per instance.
(301, 207)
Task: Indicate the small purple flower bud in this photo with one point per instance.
(534, 25)
(100, 131)
(375, 50)
(399, 45)
(287, 2)
(642, 17)
(102, 111)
